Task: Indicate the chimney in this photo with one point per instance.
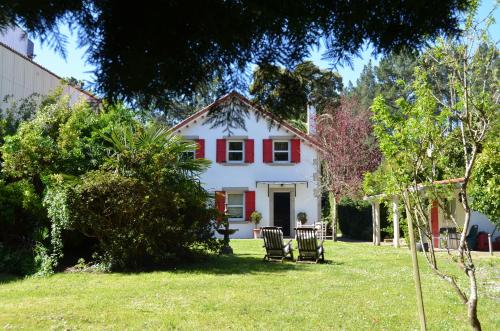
(311, 120)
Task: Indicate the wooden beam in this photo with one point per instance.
(376, 222)
(395, 220)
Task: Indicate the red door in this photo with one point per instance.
(435, 223)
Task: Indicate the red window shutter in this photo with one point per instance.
(295, 150)
(249, 150)
(200, 151)
(249, 204)
(267, 150)
(221, 151)
(220, 201)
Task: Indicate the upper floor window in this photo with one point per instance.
(188, 155)
(235, 151)
(281, 151)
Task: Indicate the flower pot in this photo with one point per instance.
(256, 233)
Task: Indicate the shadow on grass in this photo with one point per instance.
(238, 264)
(8, 278)
(245, 264)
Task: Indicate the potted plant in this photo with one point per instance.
(255, 218)
(302, 217)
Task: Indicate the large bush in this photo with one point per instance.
(139, 223)
(144, 206)
(103, 174)
(355, 219)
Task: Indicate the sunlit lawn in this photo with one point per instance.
(362, 287)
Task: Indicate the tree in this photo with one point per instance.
(144, 205)
(412, 138)
(287, 93)
(348, 150)
(389, 78)
(180, 107)
(485, 186)
(105, 174)
(150, 50)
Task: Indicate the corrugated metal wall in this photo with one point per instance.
(21, 78)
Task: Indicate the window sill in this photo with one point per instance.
(238, 222)
(234, 164)
(281, 163)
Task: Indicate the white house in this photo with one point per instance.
(270, 167)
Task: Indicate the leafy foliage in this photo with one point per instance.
(14, 112)
(229, 114)
(287, 93)
(413, 138)
(485, 189)
(222, 37)
(144, 205)
(103, 174)
(349, 148)
(390, 78)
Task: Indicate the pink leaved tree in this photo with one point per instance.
(349, 151)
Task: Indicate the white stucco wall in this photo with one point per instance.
(220, 176)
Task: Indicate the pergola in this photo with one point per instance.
(375, 201)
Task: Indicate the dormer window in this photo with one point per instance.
(281, 151)
(235, 151)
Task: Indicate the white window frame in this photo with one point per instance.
(228, 141)
(289, 152)
(193, 151)
(236, 219)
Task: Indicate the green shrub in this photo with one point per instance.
(16, 261)
(355, 220)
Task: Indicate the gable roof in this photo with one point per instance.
(270, 116)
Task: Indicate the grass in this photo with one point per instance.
(362, 287)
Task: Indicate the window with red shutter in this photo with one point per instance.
(221, 151)
(249, 150)
(295, 150)
(267, 150)
(200, 151)
(249, 204)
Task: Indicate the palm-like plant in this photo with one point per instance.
(151, 148)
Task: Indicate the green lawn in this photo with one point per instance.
(362, 287)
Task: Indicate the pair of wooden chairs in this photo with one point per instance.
(276, 249)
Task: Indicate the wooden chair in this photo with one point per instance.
(472, 237)
(309, 249)
(322, 230)
(273, 242)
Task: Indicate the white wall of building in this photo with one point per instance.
(477, 218)
(21, 78)
(220, 176)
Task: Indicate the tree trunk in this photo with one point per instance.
(472, 304)
(469, 267)
(333, 214)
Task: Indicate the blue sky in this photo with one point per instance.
(76, 66)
